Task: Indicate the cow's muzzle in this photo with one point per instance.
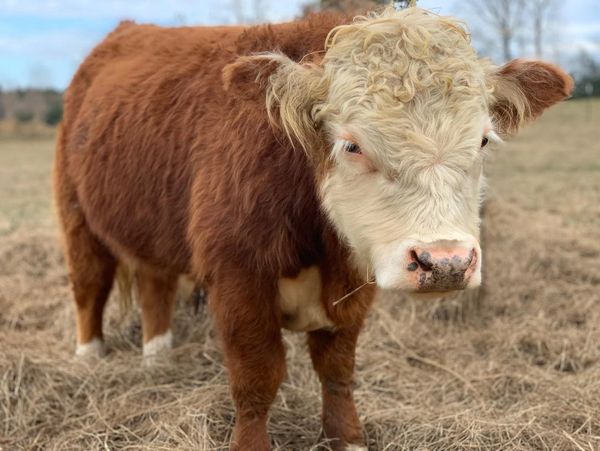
(442, 266)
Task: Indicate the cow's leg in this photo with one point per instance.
(157, 291)
(249, 327)
(91, 271)
(332, 355)
(91, 266)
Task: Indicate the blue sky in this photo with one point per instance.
(43, 41)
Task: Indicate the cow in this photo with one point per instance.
(291, 169)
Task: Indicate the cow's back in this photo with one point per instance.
(146, 116)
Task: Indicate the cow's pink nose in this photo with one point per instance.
(441, 267)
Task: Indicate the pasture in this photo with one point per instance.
(520, 369)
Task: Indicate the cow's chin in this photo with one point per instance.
(425, 295)
(429, 295)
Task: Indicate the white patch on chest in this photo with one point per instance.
(300, 301)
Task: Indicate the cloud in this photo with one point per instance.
(159, 11)
(57, 34)
(86, 9)
(52, 45)
(579, 28)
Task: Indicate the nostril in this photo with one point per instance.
(422, 259)
(470, 257)
(472, 260)
(412, 266)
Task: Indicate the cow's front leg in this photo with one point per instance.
(249, 326)
(332, 355)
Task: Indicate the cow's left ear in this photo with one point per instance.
(293, 92)
(246, 78)
(523, 89)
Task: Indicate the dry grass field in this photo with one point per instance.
(521, 371)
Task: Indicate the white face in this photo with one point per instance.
(417, 186)
(404, 106)
(406, 113)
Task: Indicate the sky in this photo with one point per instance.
(42, 42)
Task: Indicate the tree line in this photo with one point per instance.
(26, 106)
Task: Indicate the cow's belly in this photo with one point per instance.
(300, 301)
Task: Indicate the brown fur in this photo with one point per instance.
(157, 290)
(167, 159)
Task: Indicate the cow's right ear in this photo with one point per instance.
(294, 93)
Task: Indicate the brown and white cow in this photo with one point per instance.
(285, 178)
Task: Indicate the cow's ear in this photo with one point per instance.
(246, 78)
(293, 92)
(522, 90)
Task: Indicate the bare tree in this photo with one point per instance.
(40, 75)
(504, 17)
(353, 6)
(401, 4)
(259, 8)
(257, 14)
(540, 11)
(238, 11)
(345, 5)
(587, 74)
(2, 109)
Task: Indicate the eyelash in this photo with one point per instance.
(351, 147)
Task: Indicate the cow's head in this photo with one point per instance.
(396, 117)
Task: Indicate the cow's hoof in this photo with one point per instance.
(157, 347)
(95, 348)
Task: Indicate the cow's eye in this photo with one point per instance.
(351, 147)
(484, 142)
